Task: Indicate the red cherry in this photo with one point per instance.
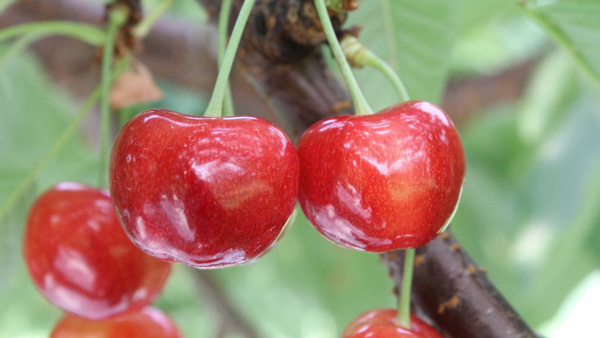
(80, 259)
(382, 323)
(147, 323)
(382, 182)
(208, 192)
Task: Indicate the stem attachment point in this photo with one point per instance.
(215, 105)
(359, 56)
(360, 103)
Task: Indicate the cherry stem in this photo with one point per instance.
(56, 147)
(116, 18)
(407, 276)
(87, 33)
(360, 103)
(391, 75)
(215, 105)
(19, 46)
(360, 56)
(143, 28)
(228, 109)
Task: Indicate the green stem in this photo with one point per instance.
(87, 33)
(228, 109)
(565, 42)
(391, 75)
(5, 3)
(359, 55)
(117, 17)
(407, 276)
(54, 149)
(215, 105)
(18, 47)
(143, 28)
(360, 103)
(389, 29)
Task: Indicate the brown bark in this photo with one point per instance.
(280, 57)
(455, 293)
(281, 75)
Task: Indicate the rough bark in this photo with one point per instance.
(455, 293)
(280, 56)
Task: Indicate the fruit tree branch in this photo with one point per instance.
(454, 292)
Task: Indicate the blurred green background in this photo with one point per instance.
(530, 211)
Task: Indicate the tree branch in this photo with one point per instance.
(453, 291)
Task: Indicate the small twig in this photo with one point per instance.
(231, 320)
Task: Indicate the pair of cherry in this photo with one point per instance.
(217, 192)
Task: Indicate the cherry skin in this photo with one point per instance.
(147, 323)
(382, 182)
(382, 323)
(81, 260)
(207, 192)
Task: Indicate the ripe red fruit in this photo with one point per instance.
(80, 259)
(382, 182)
(147, 323)
(208, 192)
(382, 323)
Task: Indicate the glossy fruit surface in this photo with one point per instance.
(382, 182)
(208, 192)
(382, 323)
(147, 323)
(81, 260)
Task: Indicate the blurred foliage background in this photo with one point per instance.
(530, 211)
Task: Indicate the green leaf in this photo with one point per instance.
(34, 115)
(416, 38)
(546, 104)
(499, 43)
(553, 89)
(29, 314)
(11, 226)
(189, 308)
(567, 252)
(475, 13)
(574, 25)
(531, 230)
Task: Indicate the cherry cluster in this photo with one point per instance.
(213, 192)
(217, 192)
(83, 263)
